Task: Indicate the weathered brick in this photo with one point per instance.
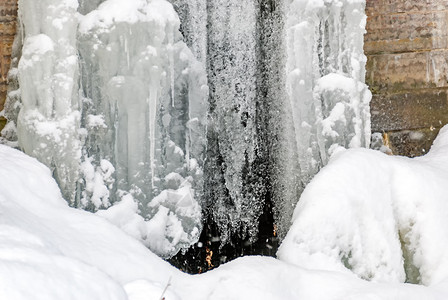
(374, 7)
(407, 70)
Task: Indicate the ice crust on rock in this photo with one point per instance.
(322, 102)
(113, 101)
(382, 217)
(232, 140)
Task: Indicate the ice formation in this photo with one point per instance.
(114, 103)
(270, 133)
(48, 121)
(112, 99)
(380, 216)
(326, 71)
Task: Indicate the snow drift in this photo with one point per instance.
(50, 251)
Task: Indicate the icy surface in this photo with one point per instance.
(193, 16)
(382, 217)
(114, 103)
(50, 251)
(270, 133)
(49, 119)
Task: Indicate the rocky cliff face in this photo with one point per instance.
(407, 71)
(8, 17)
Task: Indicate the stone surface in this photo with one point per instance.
(409, 110)
(407, 71)
(412, 142)
(8, 22)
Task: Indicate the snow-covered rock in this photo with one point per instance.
(384, 218)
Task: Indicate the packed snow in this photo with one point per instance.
(382, 217)
(359, 204)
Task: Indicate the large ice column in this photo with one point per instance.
(124, 122)
(144, 109)
(325, 69)
(48, 121)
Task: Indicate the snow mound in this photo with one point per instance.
(385, 218)
(51, 251)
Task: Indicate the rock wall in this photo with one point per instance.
(8, 20)
(407, 71)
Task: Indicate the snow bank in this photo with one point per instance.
(384, 218)
(49, 251)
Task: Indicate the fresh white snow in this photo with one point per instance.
(383, 217)
(358, 204)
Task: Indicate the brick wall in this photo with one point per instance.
(8, 19)
(407, 70)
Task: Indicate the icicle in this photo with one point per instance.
(171, 58)
(152, 106)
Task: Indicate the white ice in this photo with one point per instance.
(112, 102)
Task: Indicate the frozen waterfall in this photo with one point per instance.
(219, 112)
